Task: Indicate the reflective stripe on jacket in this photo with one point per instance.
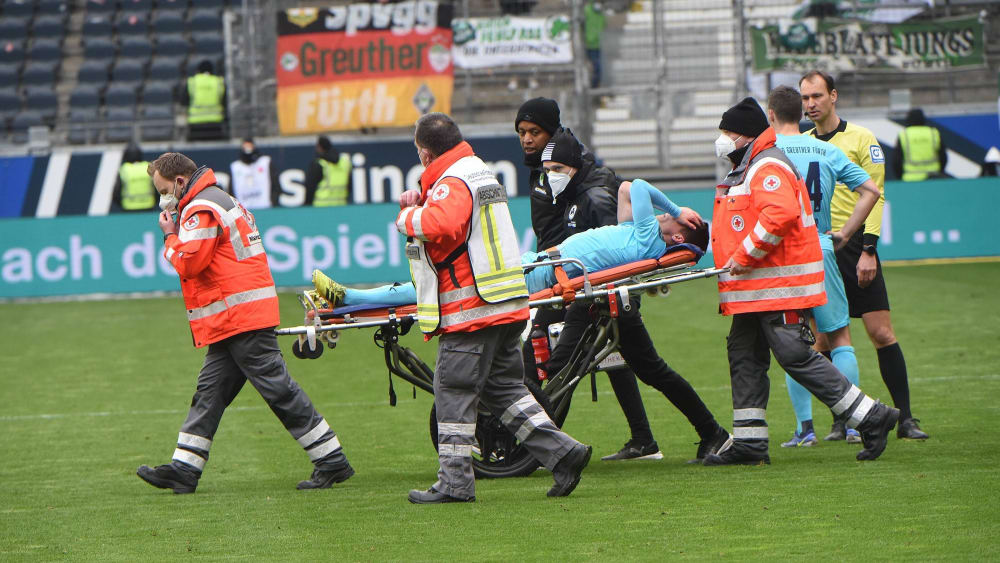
(920, 145)
(763, 218)
(206, 92)
(220, 259)
(464, 256)
(332, 189)
(137, 187)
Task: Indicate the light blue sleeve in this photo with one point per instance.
(645, 197)
(847, 172)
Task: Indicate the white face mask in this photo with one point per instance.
(558, 182)
(168, 202)
(725, 145)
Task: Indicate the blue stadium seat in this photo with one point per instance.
(137, 47)
(168, 22)
(172, 45)
(217, 4)
(84, 96)
(128, 70)
(10, 101)
(101, 6)
(120, 124)
(166, 68)
(130, 24)
(41, 99)
(18, 8)
(39, 73)
(53, 6)
(45, 50)
(13, 27)
(157, 123)
(208, 46)
(12, 51)
(175, 6)
(137, 5)
(202, 19)
(83, 124)
(94, 71)
(97, 25)
(158, 93)
(120, 94)
(9, 72)
(20, 124)
(49, 25)
(98, 48)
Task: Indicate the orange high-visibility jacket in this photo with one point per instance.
(220, 259)
(763, 218)
(442, 223)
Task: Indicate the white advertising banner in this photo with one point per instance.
(493, 42)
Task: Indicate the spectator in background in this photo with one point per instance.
(253, 181)
(920, 152)
(328, 181)
(205, 96)
(134, 189)
(593, 26)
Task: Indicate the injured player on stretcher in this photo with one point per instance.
(640, 234)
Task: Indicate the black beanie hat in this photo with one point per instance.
(745, 118)
(543, 112)
(564, 149)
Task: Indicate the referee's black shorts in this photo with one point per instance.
(861, 300)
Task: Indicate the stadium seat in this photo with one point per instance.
(94, 71)
(53, 6)
(120, 124)
(165, 68)
(98, 48)
(157, 123)
(168, 22)
(208, 46)
(41, 99)
(45, 50)
(158, 93)
(50, 25)
(101, 6)
(18, 8)
(39, 72)
(137, 5)
(9, 72)
(202, 19)
(120, 94)
(130, 24)
(217, 4)
(97, 25)
(137, 47)
(174, 6)
(84, 96)
(12, 51)
(128, 70)
(172, 45)
(20, 124)
(83, 125)
(9, 103)
(13, 28)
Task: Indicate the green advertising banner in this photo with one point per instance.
(838, 45)
(359, 244)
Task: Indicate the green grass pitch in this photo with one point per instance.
(91, 390)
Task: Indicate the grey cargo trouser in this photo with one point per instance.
(229, 363)
(486, 366)
(752, 338)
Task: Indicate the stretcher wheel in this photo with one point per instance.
(500, 453)
(302, 351)
(297, 350)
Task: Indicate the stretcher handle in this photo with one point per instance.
(697, 274)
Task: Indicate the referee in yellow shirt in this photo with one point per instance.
(858, 260)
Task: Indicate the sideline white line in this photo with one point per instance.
(57, 416)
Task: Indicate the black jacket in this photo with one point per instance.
(589, 201)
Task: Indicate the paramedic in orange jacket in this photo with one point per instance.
(466, 269)
(213, 243)
(764, 233)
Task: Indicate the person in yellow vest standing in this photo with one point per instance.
(920, 152)
(328, 180)
(134, 189)
(205, 98)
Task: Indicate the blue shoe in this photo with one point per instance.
(853, 436)
(801, 441)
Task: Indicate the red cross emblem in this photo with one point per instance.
(772, 183)
(737, 223)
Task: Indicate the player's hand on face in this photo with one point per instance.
(167, 223)
(690, 218)
(409, 198)
(866, 269)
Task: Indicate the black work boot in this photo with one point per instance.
(737, 454)
(567, 472)
(324, 478)
(168, 477)
(837, 432)
(875, 430)
(433, 496)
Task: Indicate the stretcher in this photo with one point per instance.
(606, 292)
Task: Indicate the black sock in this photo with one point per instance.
(807, 427)
(893, 368)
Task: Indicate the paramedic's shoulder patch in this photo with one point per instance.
(494, 193)
(772, 183)
(191, 223)
(440, 192)
(878, 157)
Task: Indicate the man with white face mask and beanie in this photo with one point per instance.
(213, 243)
(253, 180)
(764, 233)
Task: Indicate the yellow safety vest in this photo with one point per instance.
(206, 91)
(332, 189)
(920, 145)
(137, 186)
